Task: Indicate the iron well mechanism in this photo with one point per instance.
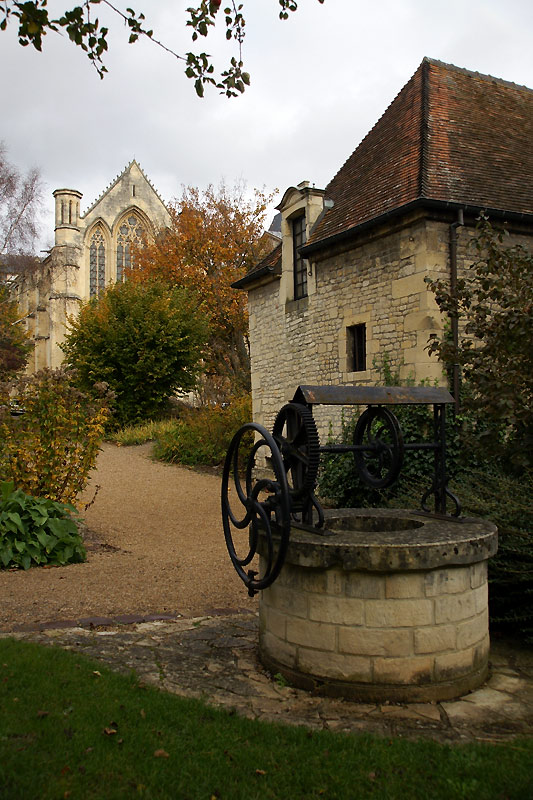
(268, 506)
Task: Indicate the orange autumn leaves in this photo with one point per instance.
(215, 236)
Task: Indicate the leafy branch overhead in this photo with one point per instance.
(86, 32)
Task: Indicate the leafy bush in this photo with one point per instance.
(144, 340)
(493, 494)
(15, 343)
(34, 530)
(143, 432)
(493, 300)
(203, 435)
(49, 450)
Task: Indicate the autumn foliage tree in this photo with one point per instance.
(15, 344)
(215, 236)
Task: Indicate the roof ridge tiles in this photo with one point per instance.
(449, 136)
(475, 74)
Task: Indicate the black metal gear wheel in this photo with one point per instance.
(378, 437)
(296, 436)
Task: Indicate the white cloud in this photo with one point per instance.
(319, 83)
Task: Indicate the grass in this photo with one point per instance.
(143, 432)
(70, 728)
(200, 437)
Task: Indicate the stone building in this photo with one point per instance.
(91, 251)
(347, 283)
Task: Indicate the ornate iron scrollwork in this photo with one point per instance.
(262, 502)
(292, 454)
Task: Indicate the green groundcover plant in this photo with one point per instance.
(70, 728)
(36, 531)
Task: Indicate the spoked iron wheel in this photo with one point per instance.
(296, 436)
(379, 438)
(260, 503)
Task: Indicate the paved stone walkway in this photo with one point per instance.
(215, 658)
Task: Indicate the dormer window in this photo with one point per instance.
(299, 265)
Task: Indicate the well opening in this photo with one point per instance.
(373, 524)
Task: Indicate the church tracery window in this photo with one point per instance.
(96, 263)
(131, 232)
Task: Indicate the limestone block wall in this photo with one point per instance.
(379, 283)
(417, 635)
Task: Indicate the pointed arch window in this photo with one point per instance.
(96, 263)
(131, 232)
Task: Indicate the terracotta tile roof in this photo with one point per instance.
(450, 136)
(270, 265)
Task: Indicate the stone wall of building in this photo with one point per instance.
(379, 283)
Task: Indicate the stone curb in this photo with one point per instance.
(214, 658)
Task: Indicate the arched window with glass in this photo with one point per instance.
(131, 233)
(96, 262)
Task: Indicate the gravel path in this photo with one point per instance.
(155, 546)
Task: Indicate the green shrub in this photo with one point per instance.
(15, 344)
(143, 432)
(49, 450)
(36, 531)
(202, 435)
(144, 340)
(493, 494)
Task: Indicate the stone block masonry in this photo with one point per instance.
(409, 634)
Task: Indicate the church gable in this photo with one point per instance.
(131, 189)
(91, 251)
(126, 213)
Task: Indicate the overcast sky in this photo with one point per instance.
(320, 81)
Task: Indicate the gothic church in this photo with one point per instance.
(91, 251)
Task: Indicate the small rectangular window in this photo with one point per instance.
(299, 264)
(357, 348)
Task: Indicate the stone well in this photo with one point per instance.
(392, 605)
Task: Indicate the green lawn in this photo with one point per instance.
(70, 728)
